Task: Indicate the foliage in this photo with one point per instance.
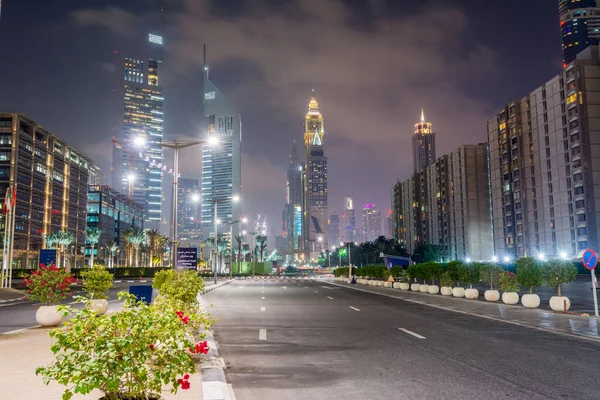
(290, 269)
(261, 245)
(426, 271)
(97, 281)
(372, 271)
(490, 274)
(529, 273)
(428, 252)
(446, 280)
(472, 273)
(92, 235)
(48, 284)
(129, 354)
(402, 277)
(456, 270)
(339, 272)
(179, 290)
(397, 270)
(508, 282)
(415, 271)
(559, 272)
(436, 270)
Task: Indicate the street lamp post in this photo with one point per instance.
(176, 146)
(349, 244)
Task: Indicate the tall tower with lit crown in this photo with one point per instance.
(315, 210)
(423, 143)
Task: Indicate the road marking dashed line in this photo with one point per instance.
(262, 334)
(354, 308)
(330, 298)
(316, 291)
(262, 298)
(263, 309)
(412, 333)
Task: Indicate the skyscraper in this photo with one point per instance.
(349, 218)
(138, 162)
(221, 168)
(189, 228)
(389, 226)
(371, 223)
(315, 180)
(423, 142)
(293, 200)
(334, 229)
(579, 26)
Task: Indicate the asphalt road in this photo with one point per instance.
(311, 340)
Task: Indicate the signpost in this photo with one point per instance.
(187, 258)
(590, 260)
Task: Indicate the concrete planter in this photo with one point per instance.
(370, 282)
(414, 287)
(396, 285)
(404, 286)
(530, 300)
(446, 291)
(388, 284)
(557, 303)
(48, 316)
(492, 295)
(433, 289)
(472, 294)
(380, 283)
(510, 297)
(458, 292)
(100, 306)
(424, 288)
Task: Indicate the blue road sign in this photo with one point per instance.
(590, 259)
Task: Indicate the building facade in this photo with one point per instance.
(138, 159)
(315, 181)
(189, 226)
(114, 213)
(51, 180)
(291, 226)
(423, 144)
(579, 26)
(545, 165)
(371, 223)
(334, 229)
(221, 164)
(349, 221)
(447, 204)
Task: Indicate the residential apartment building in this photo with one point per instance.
(545, 165)
(447, 204)
(371, 223)
(51, 180)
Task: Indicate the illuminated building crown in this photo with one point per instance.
(423, 126)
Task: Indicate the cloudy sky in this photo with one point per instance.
(373, 64)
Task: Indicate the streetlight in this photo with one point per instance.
(494, 259)
(563, 255)
(139, 141)
(506, 259)
(541, 257)
(348, 244)
(468, 260)
(176, 145)
(234, 199)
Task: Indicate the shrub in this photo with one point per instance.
(472, 273)
(179, 290)
(490, 274)
(446, 280)
(130, 354)
(48, 284)
(529, 273)
(342, 271)
(97, 281)
(415, 272)
(437, 270)
(508, 282)
(397, 270)
(559, 272)
(426, 271)
(456, 270)
(403, 277)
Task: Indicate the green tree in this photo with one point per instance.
(64, 240)
(428, 252)
(472, 273)
(456, 270)
(92, 235)
(415, 272)
(490, 274)
(529, 273)
(98, 281)
(152, 236)
(136, 238)
(112, 248)
(560, 272)
(261, 244)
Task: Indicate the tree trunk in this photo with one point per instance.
(559, 290)
(92, 257)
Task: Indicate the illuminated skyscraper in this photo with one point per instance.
(293, 227)
(334, 229)
(189, 227)
(371, 223)
(349, 217)
(138, 162)
(579, 26)
(315, 180)
(221, 164)
(423, 142)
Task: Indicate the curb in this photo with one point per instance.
(214, 287)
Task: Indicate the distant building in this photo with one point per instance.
(371, 223)
(189, 226)
(447, 204)
(113, 213)
(334, 229)
(579, 26)
(389, 227)
(349, 221)
(291, 225)
(423, 144)
(138, 161)
(51, 179)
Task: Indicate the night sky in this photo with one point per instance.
(373, 65)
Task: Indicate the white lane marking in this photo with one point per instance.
(20, 330)
(129, 281)
(262, 334)
(112, 301)
(305, 287)
(241, 287)
(13, 304)
(355, 309)
(330, 298)
(284, 287)
(412, 333)
(143, 281)
(316, 291)
(118, 281)
(262, 298)
(263, 309)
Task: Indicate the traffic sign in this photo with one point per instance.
(590, 259)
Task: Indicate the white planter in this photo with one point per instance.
(404, 286)
(446, 291)
(48, 316)
(388, 284)
(492, 295)
(510, 297)
(101, 306)
(472, 294)
(370, 282)
(380, 283)
(530, 300)
(458, 292)
(396, 285)
(557, 303)
(424, 288)
(414, 287)
(433, 289)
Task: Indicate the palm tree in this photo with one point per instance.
(222, 247)
(245, 251)
(152, 236)
(161, 244)
(112, 247)
(128, 235)
(138, 236)
(65, 239)
(238, 239)
(92, 234)
(261, 244)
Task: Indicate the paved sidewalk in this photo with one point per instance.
(566, 324)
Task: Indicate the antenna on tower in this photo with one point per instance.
(204, 63)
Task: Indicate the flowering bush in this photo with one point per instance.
(131, 354)
(508, 282)
(48, 284)
(97, 281)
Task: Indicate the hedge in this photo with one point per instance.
(117, 272)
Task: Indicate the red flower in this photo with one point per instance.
(185, 385)
(179, 314)
(73, 279)
(201, 347)
(25, 298)
(70, 294)
(186, 376)
(43, 284)
(185, 319)
(151, 347)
